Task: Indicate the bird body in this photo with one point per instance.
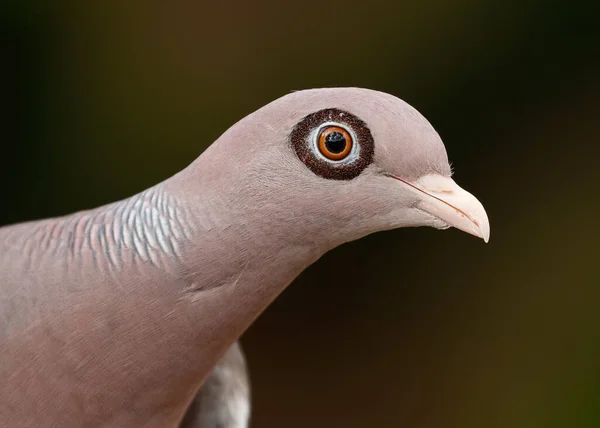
(115, 316)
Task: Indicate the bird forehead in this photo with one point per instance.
(367, 104)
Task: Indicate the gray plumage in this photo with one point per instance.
(224, 399)
(114, 317)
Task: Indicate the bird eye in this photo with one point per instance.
(335, 143)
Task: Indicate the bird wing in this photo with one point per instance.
(223, 401)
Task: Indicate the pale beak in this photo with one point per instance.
(446, 200)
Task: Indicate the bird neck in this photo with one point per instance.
(235, 260)
(223, 261)
(171, 280)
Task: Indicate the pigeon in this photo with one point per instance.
(115, 316)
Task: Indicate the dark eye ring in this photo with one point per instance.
(335, 143)
(342, 158)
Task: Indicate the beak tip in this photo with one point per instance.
(485, 232)
(477, 230)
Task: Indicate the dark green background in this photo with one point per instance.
(411, 328)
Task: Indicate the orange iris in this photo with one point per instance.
(335, 143)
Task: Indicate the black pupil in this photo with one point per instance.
(335, 142)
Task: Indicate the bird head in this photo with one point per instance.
(341, 163)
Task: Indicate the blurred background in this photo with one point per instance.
(410, 328)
